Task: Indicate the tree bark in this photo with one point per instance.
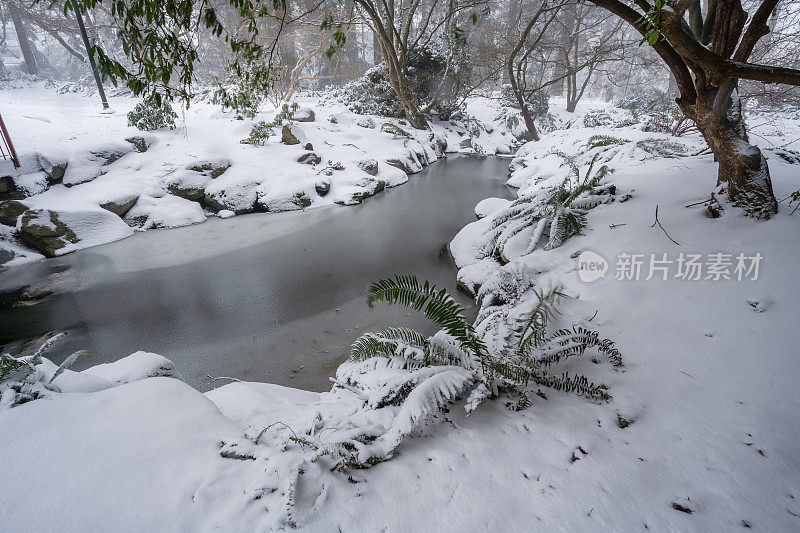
(24, 43)
(742, 169)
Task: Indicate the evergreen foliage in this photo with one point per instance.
(152, 113)
(262, 130)
(426, 374)
(20, 379)
(557, 212)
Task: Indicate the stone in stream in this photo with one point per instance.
(42, 230)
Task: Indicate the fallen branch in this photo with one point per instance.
(656, 221)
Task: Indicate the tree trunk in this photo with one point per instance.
(742, 167)
(24, 43)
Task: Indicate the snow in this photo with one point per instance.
(703, 415)
(105, 162)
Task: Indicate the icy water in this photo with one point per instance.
(263, 297)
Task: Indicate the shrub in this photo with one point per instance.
(421, 375)
(152, 114)
(20, 379)
(244, 88)
(372, 93)
(261, 130)
(598, 141)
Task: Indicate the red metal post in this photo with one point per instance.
(8, 143)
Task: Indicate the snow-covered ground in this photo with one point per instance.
(102, 179)
(701, 433)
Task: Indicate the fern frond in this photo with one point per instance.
(577, 383)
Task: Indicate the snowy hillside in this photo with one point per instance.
(699, 433)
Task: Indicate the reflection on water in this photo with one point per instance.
(261, 297)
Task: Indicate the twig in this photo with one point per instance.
(350, 388)
(613, 226)
(688, 374)
(698, 203)
(656, 221)
(594, 315)
(261, 433)
(212, 378)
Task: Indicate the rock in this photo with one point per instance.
(54, 168)
(370, 187)
(165, 212)
(285, 202)
(322, 187)
(10, 210)
(399, 163)
(43, 231)
(366, 122)
(6, 256)
(335, 165)
(516, 164)
(194, 194)
(121, 205)
(370, 166)
(502, 149)
(304, 114)
(109, 155)
(309, 147)
(397, 131)
(32, 184)
(309, 158)
(333, 119)
(89, 165)
(141, 142)
(465, 143)
(288, 136)
(490, 206)
(238, 196)
(8, 189)
(212, 169)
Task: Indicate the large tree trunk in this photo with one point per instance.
(24, 43)
(743, 169)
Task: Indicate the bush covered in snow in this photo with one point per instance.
(243, 89)
(538, 102)
(401, 367)
(372, 93)
(152, 114)
(263, 130)
(20, 379)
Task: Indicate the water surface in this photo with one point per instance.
(262, 297)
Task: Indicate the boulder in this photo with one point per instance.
(309, 158)
(304, 114)
(165, 212)
(290, 135)
(309, 147)
(141, 142)
(278, 203)
(43, 231)
(53, 167)
(8, 189)
(490, 206)
(368, 188)
(121, 204)
(465, 143)
(370, 166)
(399, 163)
(212, 169)
(322, 187)
(10, 210)
(6, 256)
(32, 184)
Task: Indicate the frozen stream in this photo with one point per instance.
(263, 297)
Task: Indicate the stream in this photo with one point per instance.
(264, 297)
